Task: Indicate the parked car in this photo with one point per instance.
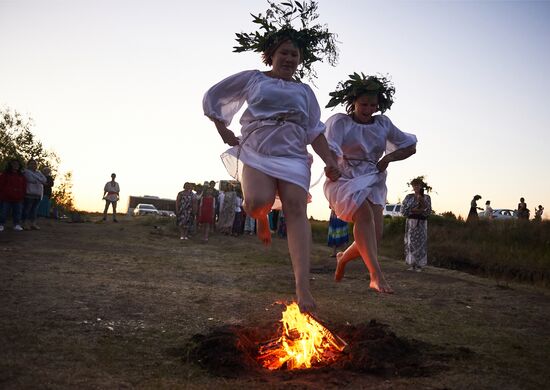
(392, 210)
(504, 214)
(167, 213)
(145, 209)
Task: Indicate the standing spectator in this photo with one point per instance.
(186, 205)
(111, 193)
(35, 189)
(338, 233)
(206, 211)
(45, 203)
(472, 214)
(249, 225)
(216, 193)
(227, 210)
(538, 213)
(416, 208)
(523, 211)
(13, 187)
(488, 210)
(238, 220)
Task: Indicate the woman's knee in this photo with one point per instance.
(256, 206)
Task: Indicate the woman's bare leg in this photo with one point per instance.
(364, 232)
(294, 199)
(343, 258)
(378, 222)
(259, 192)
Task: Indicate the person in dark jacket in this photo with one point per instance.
(12, 193)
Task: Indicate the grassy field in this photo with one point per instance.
(501, 250)
(101, 305)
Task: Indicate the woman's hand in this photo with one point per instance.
(229, 137)
(332, 172)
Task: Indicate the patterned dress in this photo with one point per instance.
(338, 232)
(416, 230)
(185, 216)
(227, 212)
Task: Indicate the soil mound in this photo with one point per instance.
(231, 351)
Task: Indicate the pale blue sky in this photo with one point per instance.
(116, 86)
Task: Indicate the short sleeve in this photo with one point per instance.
(397, 139)
(335, 134)
(225, 99)
(315, 126)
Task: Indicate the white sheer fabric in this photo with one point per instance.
(359, 147)
(281, 119)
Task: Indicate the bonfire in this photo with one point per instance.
(304, 343)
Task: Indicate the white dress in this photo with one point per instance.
(359, 147)
(281, 119)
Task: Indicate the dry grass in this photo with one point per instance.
(94, 305)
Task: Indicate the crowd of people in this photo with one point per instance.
(25, 194)
(201, 208)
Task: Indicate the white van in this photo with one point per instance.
(392, 210)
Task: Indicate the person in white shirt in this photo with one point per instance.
(111, 193)
(35, 190)
(281, 119)
(364, 145)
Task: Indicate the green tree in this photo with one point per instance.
(17, 141)
(62, 194)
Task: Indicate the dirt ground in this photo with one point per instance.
(104, 305)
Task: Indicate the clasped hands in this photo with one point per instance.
(332, 172)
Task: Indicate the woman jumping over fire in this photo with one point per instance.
(281, 119)
(358, 140)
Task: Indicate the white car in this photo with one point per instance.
(145, 209)
(504, 214)
(392, 210)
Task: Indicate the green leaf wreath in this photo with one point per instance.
(360, 84)
(314, 40)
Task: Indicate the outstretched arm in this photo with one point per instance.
(398, 155)
(320, 145)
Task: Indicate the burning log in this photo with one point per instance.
(304, 342)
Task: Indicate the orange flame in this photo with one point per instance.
(303, 343)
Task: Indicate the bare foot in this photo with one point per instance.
(305, 301)
(340, 267)
(263, 231)
(380, 285)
